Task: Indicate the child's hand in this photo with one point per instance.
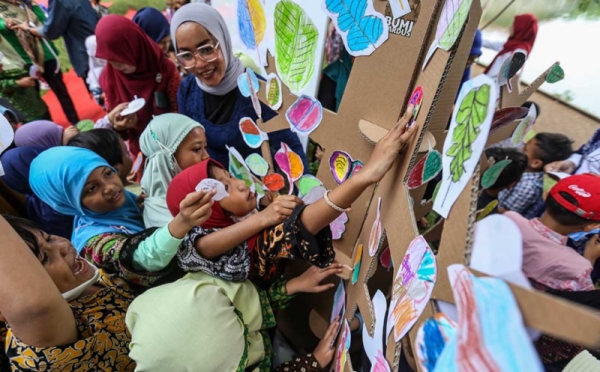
(310, 280)
(140, 201)
(564, 166)
(592, 249)
(194, 210)
(324, 351)
(279, 210)
(387, 149)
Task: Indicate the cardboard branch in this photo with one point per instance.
(518, 97)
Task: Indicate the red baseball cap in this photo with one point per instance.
(585, 189)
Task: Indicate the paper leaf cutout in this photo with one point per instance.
(376, 232)
(506, 116)
(556, 74)
(237, 167)
(435, 191)
(296, 44)
(257, 165)
(252, 135)
(490, 335)
(252, 22)
(7, 134)
(516, 63)
(362, 28)
(339, 303)
(314, 195)
(304, 115)
(385, 259)
(136, 164)
(357, 262)
(413, 286)
(425, 170)
(306, 183)
(343, 166)
(338, 226)
(466, 138)
(274, 96)
(244, 85)
(342, 351)
(209, 184)
(416, 99)
(453, 17)
(523, 128)
(289, 162)
(274, 182)
(487, 210)
(432, 336)
(502, 77)
(399, 8)
(373, 345)
(492, 173)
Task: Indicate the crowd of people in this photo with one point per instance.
(122, 265)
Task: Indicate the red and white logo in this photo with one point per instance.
(579, 191)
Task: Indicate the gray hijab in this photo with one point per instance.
(209, 18)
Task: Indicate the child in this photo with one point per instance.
(110, 146)
(542, 149)
(44, 133)
(108, 222)
(573, 205)
(304, 233)
(509, 176)
(96, 65)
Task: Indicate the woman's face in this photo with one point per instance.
(191, 36)
(165, 43)
(66, 269)
(124, 68)
(103, 192)
(192, 149)
(241, 200)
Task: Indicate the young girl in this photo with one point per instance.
(77, 182)
(44, 133)
(304, 234)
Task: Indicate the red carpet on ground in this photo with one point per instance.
(85, 105)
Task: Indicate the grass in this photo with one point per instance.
(119, 7)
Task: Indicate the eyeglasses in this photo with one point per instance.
(207, 53)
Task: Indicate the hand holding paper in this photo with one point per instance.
(207, 185)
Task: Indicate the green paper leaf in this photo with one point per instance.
(433, 166)
(307, 183)
(471, 115)
(549, 183)
(556, 74)
(455, 25)
(491, 175)
(435, 191)
(487, 210)
(273, 93)
(296, 45)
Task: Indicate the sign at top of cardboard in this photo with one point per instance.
(403, 25)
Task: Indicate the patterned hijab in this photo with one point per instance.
(159, 142)
(31, 44)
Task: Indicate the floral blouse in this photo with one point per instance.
(103, 343)
(288, 240)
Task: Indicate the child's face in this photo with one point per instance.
(530, 149)
(240, 201)
(103, 192)
(192, 149)
(126, 163)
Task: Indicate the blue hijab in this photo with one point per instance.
(153, 22)
(58, 175)
(16, 163)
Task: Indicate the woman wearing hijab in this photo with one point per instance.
(210, 94)
(136, 67)
(16, 163)
(17, 86)
(155, 25)
(160, 144)
(522, 37)
(44, 133)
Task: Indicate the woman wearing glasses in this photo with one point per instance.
(210, 94)
(137, 66)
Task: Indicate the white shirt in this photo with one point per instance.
(500, 59)
(587, 164)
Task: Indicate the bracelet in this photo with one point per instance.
(335, 207)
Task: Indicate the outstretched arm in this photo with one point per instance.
(318, 215)
(29, 300)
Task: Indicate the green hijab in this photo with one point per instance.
(197, 321)
(158, 143)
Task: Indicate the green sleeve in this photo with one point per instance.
(156, 251)
(277, 295)
(7, 85)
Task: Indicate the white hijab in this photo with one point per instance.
(209, 18)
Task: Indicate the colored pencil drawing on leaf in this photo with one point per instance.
(257, 164)
(296, 45)
(412, 287)
(376, 236)
(453, 17)
(343, 349)
(518, 136)
(252, 22)
(239, 169)
(357, 262)
(274, 95)
(362, 28)
(251, 134)
(469, 129)
(289, 162)
(491, 175)
(425, 170)
(432, 336)
(343, 166)
(305, 115)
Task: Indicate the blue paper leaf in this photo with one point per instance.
(243, 83)
(362, 28)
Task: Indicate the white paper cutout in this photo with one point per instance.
(314, 195)
(399, 8)
(134, 106)
(374, 347)
(209, 184)
(376, 232)
(7, 134)
(518, 136)
(449, 190)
